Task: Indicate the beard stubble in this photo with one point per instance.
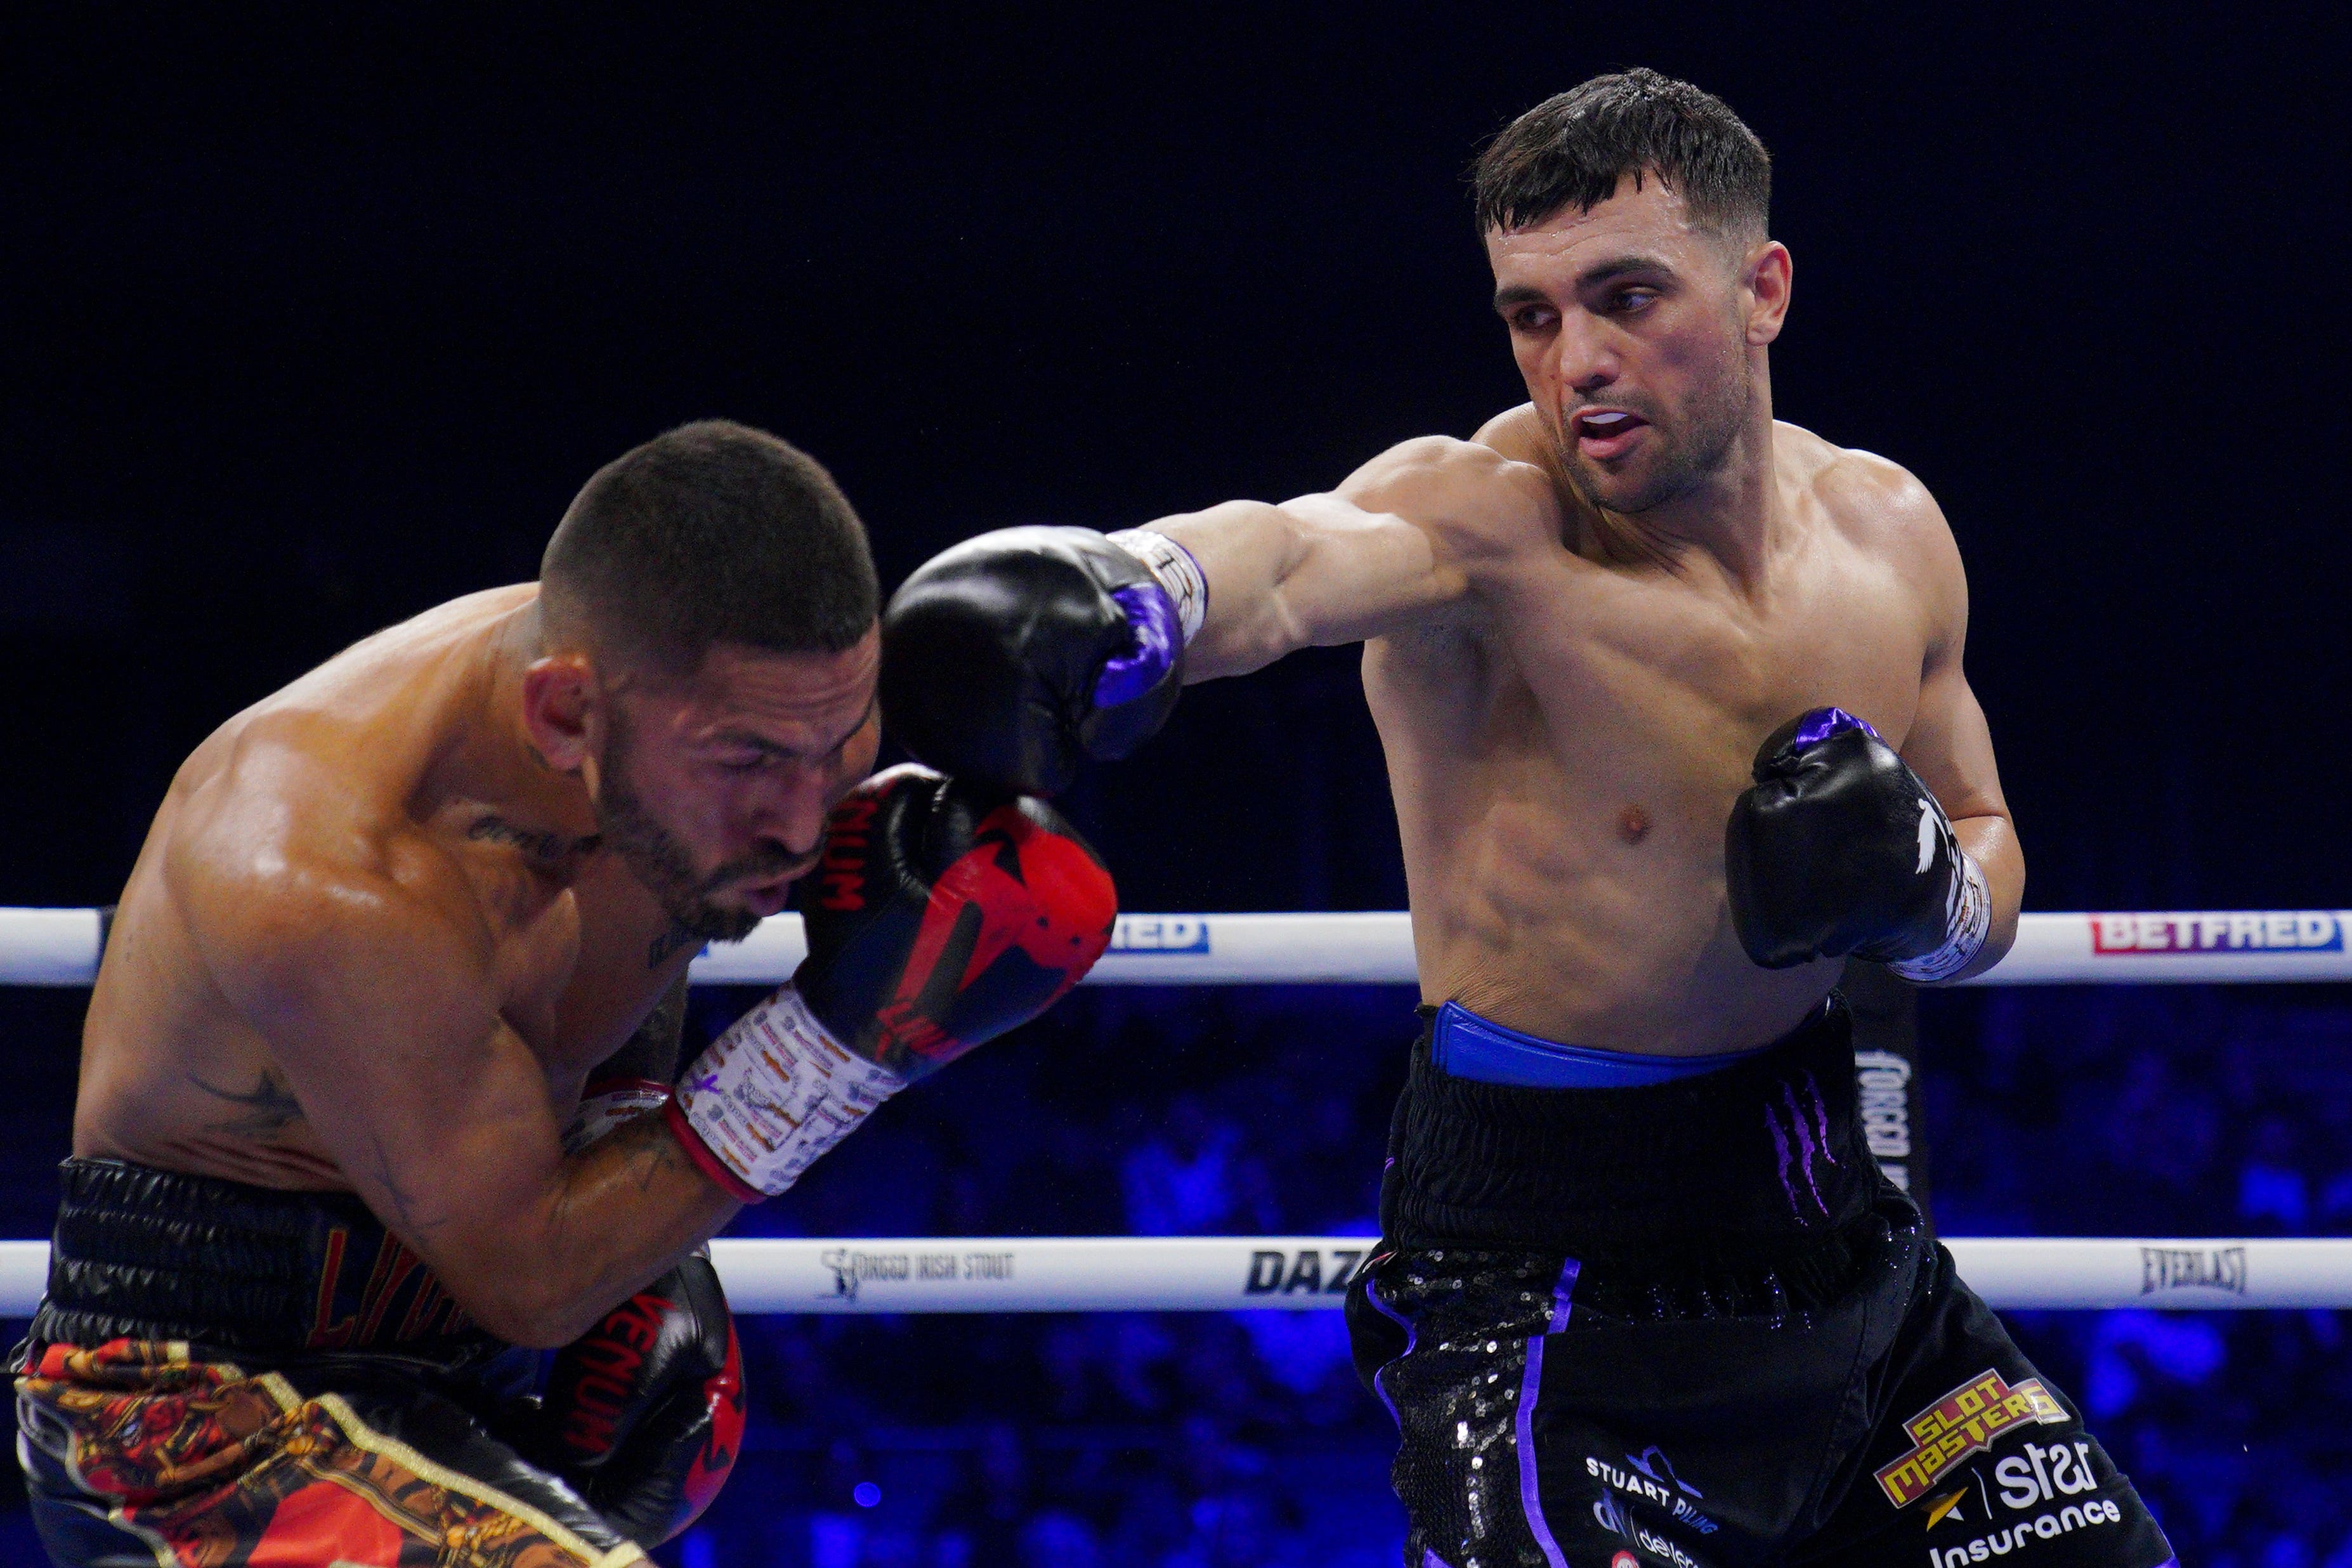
(665, 867)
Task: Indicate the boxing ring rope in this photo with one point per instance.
(60, 948)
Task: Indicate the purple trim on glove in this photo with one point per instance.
(1820, 723)
(1151, 616)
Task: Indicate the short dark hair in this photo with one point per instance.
(1575, 148)
(711, 532)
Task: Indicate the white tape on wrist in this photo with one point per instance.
(1175, 569)
(607, 1104)
(1967, 918)
(776, 1091)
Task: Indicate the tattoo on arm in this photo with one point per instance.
(669, 941)
(536, 843)
(648, 1150)
(269, 1107)
(404, 1202)
(652, 1051)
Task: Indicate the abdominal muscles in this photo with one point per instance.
(1588, 921)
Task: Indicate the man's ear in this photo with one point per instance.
(1764, 281)
(560, 699)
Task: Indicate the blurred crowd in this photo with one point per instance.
(2156, 1110)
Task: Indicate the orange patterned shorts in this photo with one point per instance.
(137, 1454)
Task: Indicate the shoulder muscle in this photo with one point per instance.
(1473, 499)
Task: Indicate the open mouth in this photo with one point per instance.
(768, 898)
(1605, 433)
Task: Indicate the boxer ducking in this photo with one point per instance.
(376, 1089)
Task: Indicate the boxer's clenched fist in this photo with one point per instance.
(1838, 848)
(1011, 656)
(941, 917)
(644, 1413)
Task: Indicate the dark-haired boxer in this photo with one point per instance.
(1674, 713)
(332, 1154)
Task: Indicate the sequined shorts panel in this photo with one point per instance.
(1536, 1431)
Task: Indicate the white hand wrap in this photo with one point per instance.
(1175, 569)
(770, 1095)
(1967, 917)
(609, 1103)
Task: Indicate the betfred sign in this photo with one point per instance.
(2238, 930)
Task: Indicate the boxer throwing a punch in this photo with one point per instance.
(1675, 719)
(375, 1077)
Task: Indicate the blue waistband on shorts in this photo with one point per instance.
(1463, 1044)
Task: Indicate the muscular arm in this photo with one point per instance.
(1950, 745)
(1398, 540)
(374, 990)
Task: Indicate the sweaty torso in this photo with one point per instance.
(383, 754)
(1564, 755)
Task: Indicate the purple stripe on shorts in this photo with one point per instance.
(1412, 1334)
(1529, 1503)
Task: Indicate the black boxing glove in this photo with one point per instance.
(1011, 656)
(1839, 848)
(939, 917)
(644, 1413)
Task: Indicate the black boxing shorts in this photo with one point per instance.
(224, 1374)
(1687, 1323)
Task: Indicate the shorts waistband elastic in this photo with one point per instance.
(1724, 1168)
(1463, 1044)
(143, 1253)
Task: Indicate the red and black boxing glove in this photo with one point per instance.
(644, 1413)
(941, 917)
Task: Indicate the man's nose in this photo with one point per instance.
(792, 815)
(1587, 354)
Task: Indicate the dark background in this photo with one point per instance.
(312, 320)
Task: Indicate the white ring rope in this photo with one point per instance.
(61, 947)
(1222, 1273)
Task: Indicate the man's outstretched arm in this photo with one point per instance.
(1015, 655)
(1395, 542)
